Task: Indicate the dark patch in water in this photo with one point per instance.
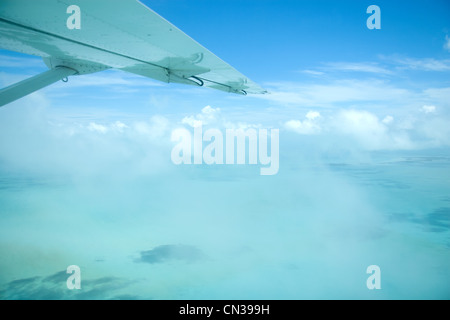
(435, 221)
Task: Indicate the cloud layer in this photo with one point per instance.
(94, 182)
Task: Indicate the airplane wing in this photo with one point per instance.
(76, 37)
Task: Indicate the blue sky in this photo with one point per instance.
(277, 38)
(364, 157)
(296, 49)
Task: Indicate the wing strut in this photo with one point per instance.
(25, 87)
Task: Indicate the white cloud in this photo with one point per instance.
(39, 138)
(309, 126)
(191, 121)
(207, 116)
(364, 130)
(437, 96)
(361, 67)
(240, 125)
(97, 128)
(428, 64)
(388, 120)
(160, 126)
(359, 122)
(209, 111)
(369, 132)
(339, 91)
(413, 131)
(302, 127)
(312, 115)
(447, 43)
(155, 129)
(429, 109)
(119, 126)
(210, 116)
(313, 72)
(390, 66)
(366, 67)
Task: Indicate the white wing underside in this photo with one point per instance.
(119, 34)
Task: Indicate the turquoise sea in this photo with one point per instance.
(217, 232)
